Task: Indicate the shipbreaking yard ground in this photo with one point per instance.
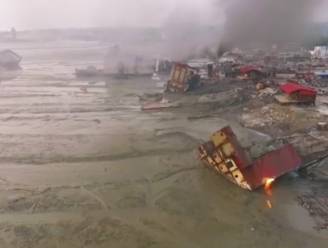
(82, 166)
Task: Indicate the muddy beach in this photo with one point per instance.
(83, 166)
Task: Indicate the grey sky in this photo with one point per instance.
(36, 14)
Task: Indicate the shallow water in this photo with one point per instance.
(82, 166)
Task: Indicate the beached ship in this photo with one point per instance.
(10, 60)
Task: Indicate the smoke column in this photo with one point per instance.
(266, 21)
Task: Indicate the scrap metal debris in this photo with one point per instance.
(317, 206)
(224, 154)
(158, 105)
(183, 78)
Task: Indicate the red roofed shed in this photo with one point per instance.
(248, 69)
(292, 88)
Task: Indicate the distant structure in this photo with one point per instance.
(320, 52)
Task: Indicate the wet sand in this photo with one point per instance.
(82, 166)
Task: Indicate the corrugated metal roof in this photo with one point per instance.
(290, 88)
(272, 165)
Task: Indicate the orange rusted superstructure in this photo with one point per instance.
(179, 77)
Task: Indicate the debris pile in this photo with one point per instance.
(317, 206)
(183, 78)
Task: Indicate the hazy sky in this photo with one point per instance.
(36, 14)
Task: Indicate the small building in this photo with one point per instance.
(204, 66)
(294, 92)
(321, 74)
(251, 72)
(320, 52)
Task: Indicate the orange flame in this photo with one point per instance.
(268, 189)
(268, 186)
